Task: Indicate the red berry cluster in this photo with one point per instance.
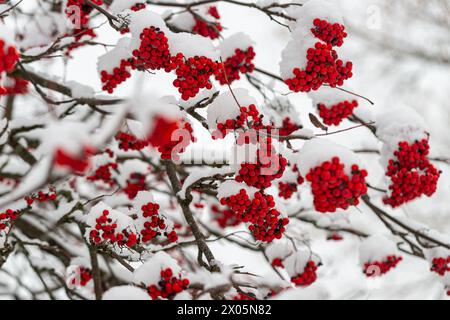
(277, 262)
(119, 74)
(240, 62)
(156, 225)
(77, 164)
(307, 277)
(169, 285)
(336, 113)
(323, 67)
(138, 6)
(377, 268)
(206, 28)
(441, 265)
(225, 217)
(411, 173)
(249, 118)
(333, 34)
(153, 52)
(7, 218)
(213, 12)
(103, 173)
(105, 232)
(8, 59)
(286, 189)
(335, 237)
(19, 86)
(267, 168)
(83, 276)
(161, 136)
(332, 188)
(130, 142)
(265, 221)
(193, 74)
(287, 127)
(135, 183)
(41, 197)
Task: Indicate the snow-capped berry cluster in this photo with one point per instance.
(134, 184)
(206, 28)
(309, 60)
(105, 232)
(266, 223)
(225, 217)
(77, 163)
(378, 268)
(260, 174)
(193, 74)
(288, 127)
(323, 66)
(128, 141)
(249, 118)
(153, 46)
(301, 267)
(332, 188)
(168, 286)
(8, 60)
(440, 265)
(153, 52)
(41, 197)
(378, 255)
(119, 74)
(307, 277)
(411, 173)
(336, 113)
(239, 63)
(331, 33)
(155, 224)
(7, 219)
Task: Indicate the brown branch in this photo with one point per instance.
(184, 204)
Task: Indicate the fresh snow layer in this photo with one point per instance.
(376, 248)
(237, 41)
(316, 151)
(225, 107)
(125, 293)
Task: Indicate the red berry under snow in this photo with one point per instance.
(333, 189)
(323, 67)
(411, 173)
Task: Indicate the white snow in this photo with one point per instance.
(295, 263)
(225, 107)
(294, 54)
(149, 272)
(236, 41)
(230, 187)
(312, 9)
(125, 293)
(376, 248)
(280, 249)
(316, 151)
(112, 59)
